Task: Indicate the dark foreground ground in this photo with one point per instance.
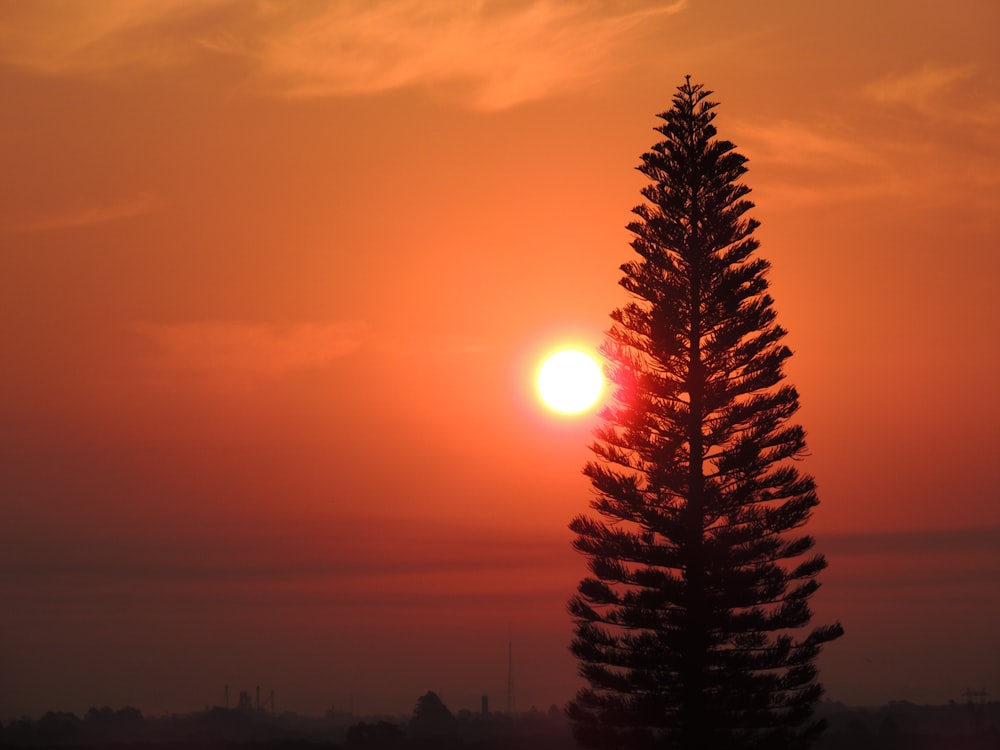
(898, 726)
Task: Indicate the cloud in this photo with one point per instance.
(943, 96)
(814, 164)
(143, 203)
(827, 161)
(499, 54)
(64, 37)
(913, 560)
(226, 349)
(295, 553)
(489, 55)
(789, 142)
(392, 566)
(922, 542)
(918, 88)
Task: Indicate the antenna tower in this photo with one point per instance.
(510, 675)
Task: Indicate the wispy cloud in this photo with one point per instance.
(789, 142)
(827, 161)
(63, 37)
(811, 164)
(143, 203)
(332, 560)
(242, 350)
(296, 552)
(487, 55)
(914, 560)
(921, 542)
(955, 95)
(498, 55)
(917, 88)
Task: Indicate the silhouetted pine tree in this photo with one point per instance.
(689, 630)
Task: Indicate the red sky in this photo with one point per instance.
(274, 280)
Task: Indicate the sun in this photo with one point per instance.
(570, 381)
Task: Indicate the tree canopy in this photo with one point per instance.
(689, 627)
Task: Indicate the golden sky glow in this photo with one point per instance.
(275, 280)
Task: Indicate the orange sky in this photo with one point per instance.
(274, 280)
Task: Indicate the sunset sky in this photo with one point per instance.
(275, 279)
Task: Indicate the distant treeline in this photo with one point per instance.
(432, 725)
(898, 726)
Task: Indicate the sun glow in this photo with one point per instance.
(570, 381)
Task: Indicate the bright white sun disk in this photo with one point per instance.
(570, 381)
